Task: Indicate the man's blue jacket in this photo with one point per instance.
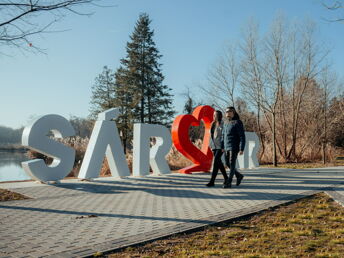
(233, 136)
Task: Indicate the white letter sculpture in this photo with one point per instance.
(35, 138)
(143, 155)
(249, 158)
(104, 141)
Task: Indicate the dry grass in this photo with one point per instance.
(105, 169)
(174, 158)
(306, 165)
(6, 195)
(311, 227)
(308, 155)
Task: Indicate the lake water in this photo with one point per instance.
(10, 166)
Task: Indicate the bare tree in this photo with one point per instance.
(252, 79)
(277, 74)
(223, 79)
(328, 82)
(190, 103)
(308, 63)
(336, 113)
(18, 19)
(281, 76)
(274, 68)
(195, 132)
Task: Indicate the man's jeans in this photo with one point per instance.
(230, 158)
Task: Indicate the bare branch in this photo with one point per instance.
(222, 79)
(17, 19)
(334, 7)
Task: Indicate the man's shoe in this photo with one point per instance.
(227, 185)
(210, 184)
(239, 179)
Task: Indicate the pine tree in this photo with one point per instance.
(141, 73)
(111, 91)
(137, 87)
(103, 92)
(126, 100)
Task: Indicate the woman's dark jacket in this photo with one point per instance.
(233, 136)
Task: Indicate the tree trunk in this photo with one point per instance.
(324, 153)
(325, 131)
(274, 151)
(142, 114)
(297, 111)
(149, 107)
(260, 133)
(125, 145)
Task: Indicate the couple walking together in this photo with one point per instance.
(226, 138)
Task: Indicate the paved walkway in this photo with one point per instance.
(77, 218)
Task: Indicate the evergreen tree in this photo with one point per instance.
(126, 100)
(103, 92)
(141, 75)
(136, 88)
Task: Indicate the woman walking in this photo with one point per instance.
(233, 143)
(216, 146)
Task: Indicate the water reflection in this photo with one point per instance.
(10, 166)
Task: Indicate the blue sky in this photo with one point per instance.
(190, 34)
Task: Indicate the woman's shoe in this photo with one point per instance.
(210, 184)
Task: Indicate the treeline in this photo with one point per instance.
(10, 136)
(288, 93)
(82, 126)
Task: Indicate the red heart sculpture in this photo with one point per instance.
(202, 159)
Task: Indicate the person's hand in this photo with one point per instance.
(222, 150)
(241, 152)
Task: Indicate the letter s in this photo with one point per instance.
(35, 137)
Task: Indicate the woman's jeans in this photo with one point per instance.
(230, 158)
(217, 164)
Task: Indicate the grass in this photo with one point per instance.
(310, 227)
(6, 195)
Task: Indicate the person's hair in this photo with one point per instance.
(219, 115)
(236, 115)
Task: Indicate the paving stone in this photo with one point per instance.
(75, 219)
